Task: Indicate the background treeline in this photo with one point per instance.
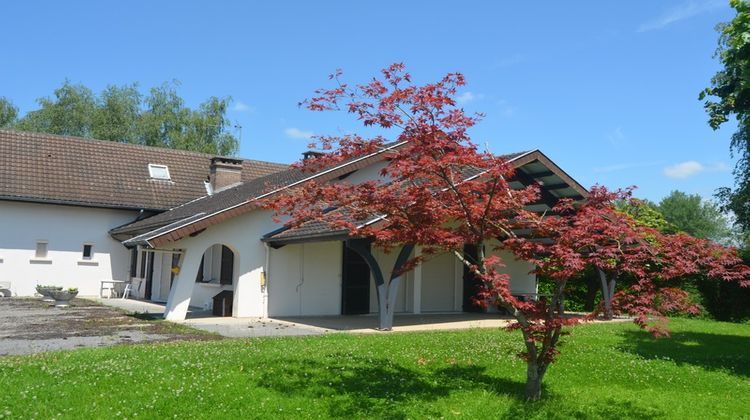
(158, 117)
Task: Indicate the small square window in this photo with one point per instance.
(88, 251)
(41, 249)
(158, 171)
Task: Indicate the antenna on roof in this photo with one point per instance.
(238, 127)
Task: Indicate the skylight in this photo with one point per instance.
(158, 171)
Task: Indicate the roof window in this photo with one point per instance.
(159, 171)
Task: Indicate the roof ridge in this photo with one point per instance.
(116, 143)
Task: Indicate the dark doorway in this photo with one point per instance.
(149, 274)
(227, 265)
(355, 283)
(471, 283)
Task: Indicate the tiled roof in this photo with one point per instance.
(204, 212)
(211, 203)
(96, 173)
(322, 230)
(216, 207)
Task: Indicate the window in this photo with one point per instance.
(158, 171)
(143, 264)
(88, 251)
(41, 249)
(133, 262)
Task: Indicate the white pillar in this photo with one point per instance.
(182, 287)
(156, 276)
(417, 283)
(458, 285)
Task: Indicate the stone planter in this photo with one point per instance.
(46, 291)
(62, 297)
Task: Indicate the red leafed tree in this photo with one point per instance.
(677, 257)
(439, 191)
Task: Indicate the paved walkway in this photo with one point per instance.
(313, 325)
(30, 325)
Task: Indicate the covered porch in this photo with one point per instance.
(314, 325)
(328, 273)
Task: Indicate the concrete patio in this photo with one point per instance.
(314, 325)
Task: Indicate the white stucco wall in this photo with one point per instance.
(521, 278)
(441, 288)
(305, 279)
(241, 234)
(368, 173)
(66, 228)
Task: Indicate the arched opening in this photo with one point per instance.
(215, 280)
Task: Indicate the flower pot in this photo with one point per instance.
(62, 297)
(45, 292)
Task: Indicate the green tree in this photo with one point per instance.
(123, 114)
(690, 214)
(118, 114)
(647, 214)
(729, 95)
(71, 112)
(8, 112)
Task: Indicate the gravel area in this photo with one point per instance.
(29, 325)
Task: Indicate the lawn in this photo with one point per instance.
(606, 370)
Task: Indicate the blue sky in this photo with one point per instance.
(607, 89)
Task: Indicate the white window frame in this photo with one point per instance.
(83, 251)
(46, 250)
(154, 167)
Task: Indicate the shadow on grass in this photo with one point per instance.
(143, 316)
(357, 387)
(706, 350)
(604, 409)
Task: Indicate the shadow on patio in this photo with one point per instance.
(402, 322)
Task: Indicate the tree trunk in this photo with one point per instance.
(387, 297)
(606, 294)
(534, 371)
(534, 377)
(592, 288)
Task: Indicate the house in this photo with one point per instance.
(186, 227)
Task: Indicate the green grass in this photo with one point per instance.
(605, 371)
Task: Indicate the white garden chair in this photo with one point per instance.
(134, 284)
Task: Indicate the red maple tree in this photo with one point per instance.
(439, 191)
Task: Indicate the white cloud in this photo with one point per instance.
(684, 170)
(296, 133)
(625, 166)
(682, 12)
(467, 97)
(687, 169)
(240, 106)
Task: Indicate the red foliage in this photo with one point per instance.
(438, 190)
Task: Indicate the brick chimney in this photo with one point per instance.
(225, 172)
(311, 154)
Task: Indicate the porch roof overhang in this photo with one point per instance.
(531, 168)
(195, 216)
